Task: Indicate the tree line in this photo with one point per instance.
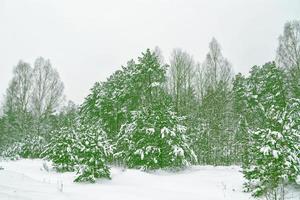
(33, 104)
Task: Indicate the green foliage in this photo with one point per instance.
(80, 148)
(276, 151)
(240, 116)
(124, 91)
(130, 104)
(216, 130)
(60, 149)
(93, 150)
(154, 139)
(272, 122)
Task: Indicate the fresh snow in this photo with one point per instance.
(36, 180)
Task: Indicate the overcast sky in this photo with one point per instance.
(88, 40)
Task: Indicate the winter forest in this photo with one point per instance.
(159, 115)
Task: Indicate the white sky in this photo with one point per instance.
(87, 40)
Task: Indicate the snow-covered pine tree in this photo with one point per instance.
(83, 148)
(110, 101)
(60, 149)
(135, 95)
(274, 132)
(93, 150)
(240, 119)
(32, 147)
(154, 138)
(276, 150)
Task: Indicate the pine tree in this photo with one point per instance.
(154, 139)
(82, 148)
(241, 119)
(93, 149)
(276, 150)
(273, 130)
(153, 136)
(135, 95)
(61, 149)
(110, 101)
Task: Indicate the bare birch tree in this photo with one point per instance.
(213, 80)
(181, 80)
(217, 69)
(288, 55)
(48, 90)
(17, 99)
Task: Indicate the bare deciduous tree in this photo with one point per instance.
(181, 79)
(158, 52)
(47, 93)
(288, 55)
(217, 69)
(48, 88)
(288, 52)
(213, 87)
(199, 82)
(19, 90)
(17, 99)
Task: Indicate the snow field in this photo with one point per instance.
(29, 179)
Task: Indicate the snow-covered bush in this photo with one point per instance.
(276, 161)
(33, 147)
(29, 147)
(92, 151)
(82, 148)
(154, 139)
(13, 151)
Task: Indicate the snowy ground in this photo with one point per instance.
(27, 179)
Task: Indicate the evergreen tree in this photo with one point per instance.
(273, 131)
(136, 95)
(154, 138)
(110, 101)
(61, 149)
(241, 119)
(82, 148)
(93, 150)
(275, 151)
